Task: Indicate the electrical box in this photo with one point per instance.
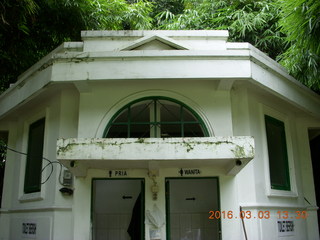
(67, 178)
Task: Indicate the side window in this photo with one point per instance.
(32, 182)
(278, 156)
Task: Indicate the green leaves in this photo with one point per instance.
(32, 28)
(247, 20)
(300, 20)
(117, 14)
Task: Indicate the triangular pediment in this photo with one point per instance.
(154, 42)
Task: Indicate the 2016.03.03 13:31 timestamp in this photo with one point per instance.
(256, 215)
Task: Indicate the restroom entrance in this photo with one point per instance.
(117, 209)
(188, 202)
(314, 138)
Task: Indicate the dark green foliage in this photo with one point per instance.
(171, 6)
(34, 33)
(30, 29)
(15, 18)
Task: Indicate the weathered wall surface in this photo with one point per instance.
(231, 86)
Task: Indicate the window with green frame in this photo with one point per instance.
(155, 117)
(32, 182)
(278, 155)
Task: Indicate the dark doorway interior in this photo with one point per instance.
(3, 142)
(314, 136)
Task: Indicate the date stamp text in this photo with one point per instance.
(257, 215)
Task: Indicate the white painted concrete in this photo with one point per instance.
(81, 85)
(231, 153)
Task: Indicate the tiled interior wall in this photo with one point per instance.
(111, 226)
(193, 226)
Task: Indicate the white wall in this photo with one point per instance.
(49, 209)
(99, 101)
(255, 193)
(102, 101)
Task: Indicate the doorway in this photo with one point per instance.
(314, 138)
(188, 202)
(118, 209)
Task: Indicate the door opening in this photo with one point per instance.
(118, 209)
(314, 137)
(188, 202)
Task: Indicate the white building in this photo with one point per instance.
(167, 135)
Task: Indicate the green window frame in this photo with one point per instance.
(32, 181)
(278, 154)
(155, 117)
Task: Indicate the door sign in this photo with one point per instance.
(118, 173)
(188, 172)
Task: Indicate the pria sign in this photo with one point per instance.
(118, 173)
(189, 171)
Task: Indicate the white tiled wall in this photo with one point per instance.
(111, 226)
(193, 226)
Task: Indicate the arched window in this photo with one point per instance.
(155, 117)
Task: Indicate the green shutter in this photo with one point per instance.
(278, 156)
(32, 181)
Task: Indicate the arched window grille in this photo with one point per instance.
(155, 117)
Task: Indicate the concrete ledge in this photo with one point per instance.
(228, 153)
(169, 33)
(35, 209)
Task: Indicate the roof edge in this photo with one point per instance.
(264, 59)
(43, 63)
(168, 33)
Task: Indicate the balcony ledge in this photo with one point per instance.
(228, 153)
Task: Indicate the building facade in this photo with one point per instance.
(159, 135)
